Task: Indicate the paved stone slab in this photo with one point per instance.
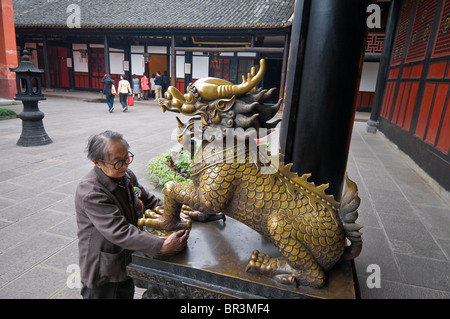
(34, 284)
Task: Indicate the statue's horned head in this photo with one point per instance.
(220, 103)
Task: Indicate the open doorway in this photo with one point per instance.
(157, 62)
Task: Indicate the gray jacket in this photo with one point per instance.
(107, 227)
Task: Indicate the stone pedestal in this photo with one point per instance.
(213, 266)
(33, 131)
(29, 91)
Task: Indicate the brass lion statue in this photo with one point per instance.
(308, 226)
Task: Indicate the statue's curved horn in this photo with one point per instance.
(253, 78)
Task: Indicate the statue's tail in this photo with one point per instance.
(348, 212)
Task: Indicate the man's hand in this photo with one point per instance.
(175, 242)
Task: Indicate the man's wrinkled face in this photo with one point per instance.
(117, 156)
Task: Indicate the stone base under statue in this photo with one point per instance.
(213, 266)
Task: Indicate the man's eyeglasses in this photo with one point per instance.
(119, 164)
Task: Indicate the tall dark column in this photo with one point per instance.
(293, 77)
(317, 139)
(173, 74)
(48, 82)
(128, 58)
(187, 76)
(71, 72)
(283, 66)
(383, 71)
(106, 53)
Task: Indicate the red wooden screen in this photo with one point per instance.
(81, 80)
(179, 84)
(417, 95)
(402, 32)
(442, 43)
(364, 99)
(433, 124)
(420, 34)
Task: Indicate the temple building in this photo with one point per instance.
(77, 43)
(405, 77)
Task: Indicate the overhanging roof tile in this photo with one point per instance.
(172, 14)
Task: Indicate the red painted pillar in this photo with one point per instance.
(8, 50)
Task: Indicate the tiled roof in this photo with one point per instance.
(172, 14)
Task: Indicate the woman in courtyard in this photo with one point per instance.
(109, 91)
(145, 86)
(107, 220)
(124, 90)
(152, 85)
(136, 87)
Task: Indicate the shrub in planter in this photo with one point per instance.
(172, 165)
(7, 113)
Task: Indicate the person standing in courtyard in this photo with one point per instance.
(145, 86)
(136, 87)
(124, 90)
(158, 86)
(106, 212)
(109, 90)
(165, 82)
(152, 86)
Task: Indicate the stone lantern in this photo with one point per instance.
(28, 81)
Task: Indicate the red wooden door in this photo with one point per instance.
(59, 72)
(221, 68)
(96, 67)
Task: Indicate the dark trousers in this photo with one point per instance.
(123, 99)
(110, 100)
(112, 290)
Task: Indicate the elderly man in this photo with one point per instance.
(107, 220)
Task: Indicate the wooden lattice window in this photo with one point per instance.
(442, 44)
(402, 31)
(420, 34)
(374, 43)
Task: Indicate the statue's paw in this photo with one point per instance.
(286, 279)
(260, 262)
(155, 220)
(276, 268)
(195, 215)
(280, 270)
(154, 214)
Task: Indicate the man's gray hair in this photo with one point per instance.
(97, 147)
